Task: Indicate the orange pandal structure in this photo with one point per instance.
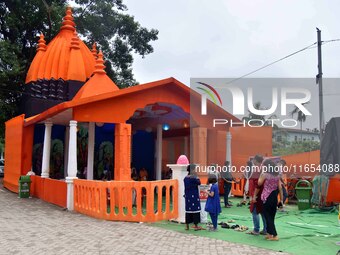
(114, 200)
(50, 190)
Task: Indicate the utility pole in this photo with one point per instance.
(319, 81)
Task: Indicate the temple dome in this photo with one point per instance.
(65, 57)
(98, 84)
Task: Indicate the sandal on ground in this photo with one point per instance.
(194, 227)
(244, 228)
(241, 228)
(235, 226)
(275, 238)
(212, 229)
(225, 225)
(253, 233)
(199, 228)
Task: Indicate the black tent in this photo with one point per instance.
(330, 147)
(329, 158)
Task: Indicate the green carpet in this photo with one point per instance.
(301, 232)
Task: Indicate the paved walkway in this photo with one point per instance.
(31, 226)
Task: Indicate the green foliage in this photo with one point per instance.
(21, 21)
(286, 148)
(104, 158)
(102, 21)
(82, 147)
(11, 75)
(57, 159)
(117, 33)
(301, 117)
(2, 145)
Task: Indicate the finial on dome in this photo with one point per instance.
(94, 50)
(75, 41)
(99, 64)
(41, 43)
(68, 20)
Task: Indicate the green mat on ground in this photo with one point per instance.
(301, 232)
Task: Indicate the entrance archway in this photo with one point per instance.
(164, 121)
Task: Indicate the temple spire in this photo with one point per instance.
(41, 43)
(94, 50)
(68, 23)
(99, 67)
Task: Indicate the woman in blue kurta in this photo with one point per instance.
(192, 199)
(213, 206)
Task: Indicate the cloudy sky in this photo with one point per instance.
(224, 38)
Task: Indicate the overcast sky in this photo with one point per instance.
(223, 38)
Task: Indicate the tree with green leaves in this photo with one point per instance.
(294, 147)
(105, 22)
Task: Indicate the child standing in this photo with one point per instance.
(213, 206)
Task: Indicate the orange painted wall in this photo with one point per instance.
(13, 152)
(50, 190)
(172, 148)
(37, 186)
(179, 148)
(249, 141)
(211, 146)
(306, 158)
(27, 148)
(98, 111)
(221, 147)
(216, 146)
(309, 158)
(55, 192)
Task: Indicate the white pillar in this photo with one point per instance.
(67, 137)
(72, 164)
(45, 170)
(178, 173)
(228, 156)
(159, 152)
(90, 152)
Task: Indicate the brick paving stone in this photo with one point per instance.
(31, 226)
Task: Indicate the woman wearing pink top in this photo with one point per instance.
(270, 179)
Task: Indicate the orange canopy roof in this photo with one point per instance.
(65, 57)
(168, 90)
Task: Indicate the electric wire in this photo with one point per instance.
(272, 63)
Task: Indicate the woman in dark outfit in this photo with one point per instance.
(270, 180)
(213, 206)
(192, 199)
